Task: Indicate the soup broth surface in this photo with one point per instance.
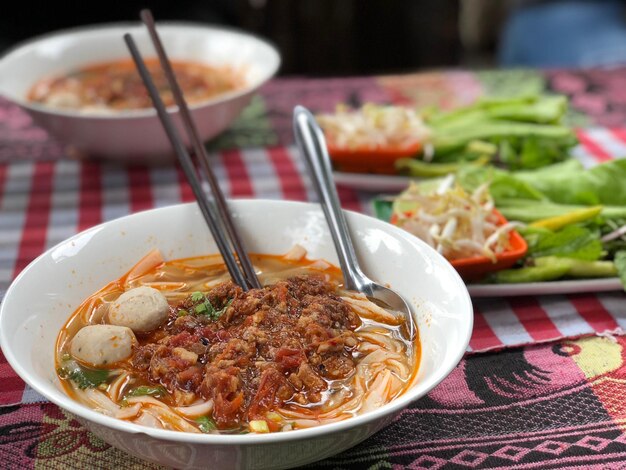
(117, 86)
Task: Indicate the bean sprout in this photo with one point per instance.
(374, 127)
(456, 223)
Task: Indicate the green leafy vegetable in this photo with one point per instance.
(153, 391)
(414, 167)
(579, 268)
(572, 241)
(550, 272)
(383, 209)
(620, 265)
(554, 190)
(524, 131)
(617, 243)
(197, 296)
(571, 184)
(206, 424)
(203, 306)
(82, 376)
(582, 248)
(524, 210)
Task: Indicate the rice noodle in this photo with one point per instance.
(103, 404)
(169, 419)
(146, 400)
(368, 309)
(146, 418)
(145, 264)
(296, 253)
(376, 395)
(198, 409)
(382, 340)
(115, 389)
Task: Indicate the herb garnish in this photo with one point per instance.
(203, 306)
(81, 376)
(206, 424)
(154, 391)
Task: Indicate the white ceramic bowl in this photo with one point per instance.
(133, 134)
(43, 296)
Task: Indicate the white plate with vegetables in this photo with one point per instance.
(382, 148)
(573, 220)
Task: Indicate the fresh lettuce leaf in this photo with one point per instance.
(569, 183)
(573, 241)
(554, 190)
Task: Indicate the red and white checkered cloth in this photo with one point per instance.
(42, 203)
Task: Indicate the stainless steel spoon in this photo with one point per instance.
(312, 146)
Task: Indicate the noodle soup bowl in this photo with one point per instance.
(45, 294)
(133, 135)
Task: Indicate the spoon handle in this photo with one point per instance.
(312, 146)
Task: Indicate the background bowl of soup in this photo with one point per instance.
(119, 125)
(45, 294)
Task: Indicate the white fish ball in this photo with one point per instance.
(141, 309)
(102, 345)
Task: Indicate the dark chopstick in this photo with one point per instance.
(200, 151)
(206, 206)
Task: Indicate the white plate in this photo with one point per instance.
(373, 183)
(391, 183)
(544, 288)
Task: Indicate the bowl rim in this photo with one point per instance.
(144, 112)
(389, 409)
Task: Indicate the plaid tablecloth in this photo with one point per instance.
(556, 401)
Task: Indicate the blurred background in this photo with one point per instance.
(357, 37)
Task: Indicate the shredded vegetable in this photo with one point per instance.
(456, 223)
(374, 127)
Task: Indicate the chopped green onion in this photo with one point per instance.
(202, 308)
(197, 296)
(182, 312)
(206, 424)
(219, 313)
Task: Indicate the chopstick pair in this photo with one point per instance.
(214, 208)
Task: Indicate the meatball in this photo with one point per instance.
(102, 345)
(141, 309)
